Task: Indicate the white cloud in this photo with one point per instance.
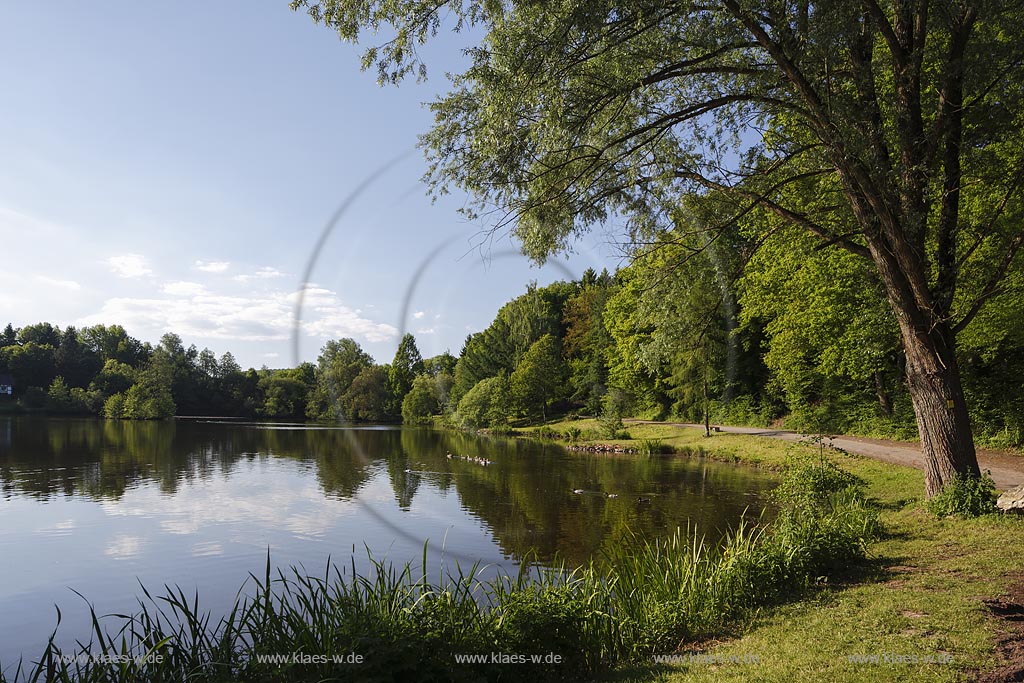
(253, 317)
(418, 314)
(328, 318)
(207, 549)
(124, 547)
(212, 266)
(129, 265)
(183, 288)
(69, 285)
(426, 330)
(265, 273)
(258, 497)
(271, 354)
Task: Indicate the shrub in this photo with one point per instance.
(653, 447)
(422, 402)
(546, 432)
(610, 421)
(113, 407)
(487, 404)
(965, 497)
(809, 487)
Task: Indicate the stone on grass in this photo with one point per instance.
(1012, 500)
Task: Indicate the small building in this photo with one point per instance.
(6, 385)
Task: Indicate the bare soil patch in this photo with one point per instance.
(1008, 613)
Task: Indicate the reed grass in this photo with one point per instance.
(647, 596)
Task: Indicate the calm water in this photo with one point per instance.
(97, 507)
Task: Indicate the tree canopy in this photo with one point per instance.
(885, 128)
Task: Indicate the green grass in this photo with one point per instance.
(922, 597)
(852, 565)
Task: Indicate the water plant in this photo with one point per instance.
(642, 597)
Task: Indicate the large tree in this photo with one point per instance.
(888, 128)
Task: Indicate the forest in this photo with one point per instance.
(669, 337)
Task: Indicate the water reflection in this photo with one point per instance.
(99, 507)
(525, 499)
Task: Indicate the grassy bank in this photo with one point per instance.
(924, 596)
(415, 623)
(852, 567)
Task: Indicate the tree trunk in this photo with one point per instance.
(933, 379)
(707, 408)
(884, 401)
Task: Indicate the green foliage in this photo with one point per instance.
(965, 497)
(487, 404)
(339, 363)
(538, 378)
(150, 398)
(516, 327)
(403, 370)
(546, 432)
(653, 447)
(369, 397)
(61, 399)
(114, 378)
(285, 393)
(43, 334)
(827, 317)
(113, 407)
(811, 486)
(423, 401)
(148, 401)
(875, 173)
(9, 336)
(587, 342)
(442, 364)
(31, 364)
(610, 422)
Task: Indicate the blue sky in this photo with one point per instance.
(171, 170)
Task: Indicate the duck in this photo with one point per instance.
(641, 499)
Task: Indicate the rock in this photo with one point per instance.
(1012, 500)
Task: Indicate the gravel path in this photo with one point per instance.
(1007, 469)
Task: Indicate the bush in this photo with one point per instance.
(811, 487)
(965, 497)
(573, 434)
(422, 402)
(610, 422)
(113, 408)
(546, 432)
(653, 447)
(487, 404)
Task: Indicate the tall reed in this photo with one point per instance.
(646, 597)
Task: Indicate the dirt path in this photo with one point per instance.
(1007, 470)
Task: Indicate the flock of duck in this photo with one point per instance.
(581, 492)
(470, 458)
(484, 462)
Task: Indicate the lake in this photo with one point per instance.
(98, 506)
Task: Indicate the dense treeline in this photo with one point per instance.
(804, 336)
(103, 370)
